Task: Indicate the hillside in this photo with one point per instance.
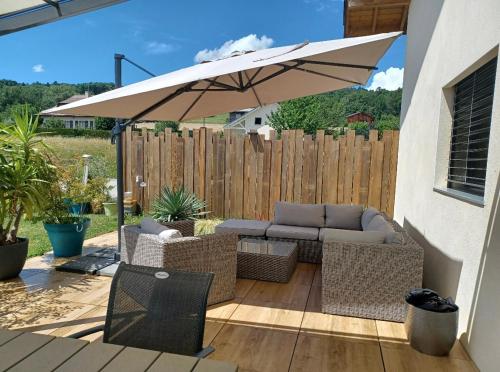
(332, 106)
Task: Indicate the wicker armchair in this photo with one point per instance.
(214, 253)
(370, 280)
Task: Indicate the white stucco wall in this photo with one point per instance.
(447, 40)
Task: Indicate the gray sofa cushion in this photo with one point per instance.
(346, 217)
(243, 227)
(308, 215)
(293, 232)
(327, 235)
(367, 216)
(378, 223)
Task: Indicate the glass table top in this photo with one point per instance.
(269, 247)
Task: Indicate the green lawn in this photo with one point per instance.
(101, 224)
(216, 119)
(39, 241)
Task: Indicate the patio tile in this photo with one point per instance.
(35, 313)
(294, 292)
(329, 353)
(393, 336)
(315, 322)
(243, 286)
(404, 358)
(254, 349)
(95, 316)
(269, 315)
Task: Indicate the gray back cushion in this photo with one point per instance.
(347, 217)
(307, 215)
(378, 223)
(367, 216)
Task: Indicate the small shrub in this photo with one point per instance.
(67, 132)
(176, 205)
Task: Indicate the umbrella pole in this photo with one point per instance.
(117, 135)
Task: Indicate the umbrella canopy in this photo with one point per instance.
(245, 79)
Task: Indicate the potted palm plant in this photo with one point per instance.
(25, 172)
(178, 209)
(66, 230)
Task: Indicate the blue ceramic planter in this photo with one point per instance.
(67, 239)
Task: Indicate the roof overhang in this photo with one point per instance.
(368, 17)
(16, 15)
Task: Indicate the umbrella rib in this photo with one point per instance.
(285, 68)
(336, 64)
(221, 85)
(324, 75)
(253, 90)
(196, 100)
(171, 96)
(249, 82)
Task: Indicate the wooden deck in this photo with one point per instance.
(267, 327)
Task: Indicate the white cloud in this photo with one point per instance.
(156, 47)
(324, 5)
(38, 68)
(246, 43)
(391, 79)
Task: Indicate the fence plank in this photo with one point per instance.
(266, 180)
(308, 171)
(348, 166)
(298, 164)
(366, 153)
(259, 179)
(178, 163)
(330, 170)
(209, 163)
(386, 169)
(376, 164)
(128, 160)
(341, 180)
(237, 188)
(320, 145)
(393, 171)
(227, 173)
(357, 168)
(276, 174)
(284, 169)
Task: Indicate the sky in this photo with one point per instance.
(164, 36)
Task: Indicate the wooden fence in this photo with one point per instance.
(242, 176)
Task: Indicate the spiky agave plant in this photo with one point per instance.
(177, 205)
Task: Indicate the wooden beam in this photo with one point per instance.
(374, 20)
(404, 18)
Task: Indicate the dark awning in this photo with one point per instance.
(16, 15)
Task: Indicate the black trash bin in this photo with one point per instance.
(432, 322)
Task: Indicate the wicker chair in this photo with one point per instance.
(370, 280)
(214, 253)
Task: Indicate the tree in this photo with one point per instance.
(307, 113)
(387, 122)
(361, 128)
(53, 123)
(161, 125)
(104, 123)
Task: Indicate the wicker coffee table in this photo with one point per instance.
(274, 261)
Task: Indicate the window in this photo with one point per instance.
(470, 135)
(258, 121)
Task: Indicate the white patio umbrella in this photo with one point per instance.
(245, 79)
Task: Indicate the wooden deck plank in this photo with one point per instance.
(173, 362)
(206, 365)
(132, 359)
(6, 335)
(330, 353)
(51, 355)
(91, 358)
(20, 347)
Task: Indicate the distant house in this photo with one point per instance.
(235, 115)
(254, 120)
(360, 116)
(72, 121)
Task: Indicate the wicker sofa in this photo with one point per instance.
(214, 253)
(370, 280)
(367, 276)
